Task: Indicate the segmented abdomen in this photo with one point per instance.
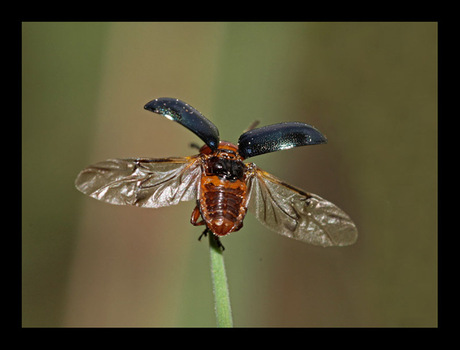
(222, 204)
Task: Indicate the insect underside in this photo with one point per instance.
(222, 196)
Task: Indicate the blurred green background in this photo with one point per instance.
(371, 88)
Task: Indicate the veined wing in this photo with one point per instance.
(297, 214)
(142, 182)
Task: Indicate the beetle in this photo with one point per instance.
(223, 186)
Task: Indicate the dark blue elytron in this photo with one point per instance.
(187, 116)
(277, 137)
(252, 143)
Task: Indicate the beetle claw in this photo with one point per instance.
(218, 243)
(205, 233)
(216, 238)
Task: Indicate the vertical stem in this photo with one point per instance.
(219, 285)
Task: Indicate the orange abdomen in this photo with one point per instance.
(222, 203)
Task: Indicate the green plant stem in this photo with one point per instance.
(219, 285)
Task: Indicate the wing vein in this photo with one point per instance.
(297, 214)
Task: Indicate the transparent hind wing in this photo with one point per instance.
(296, 214)
(142, 182)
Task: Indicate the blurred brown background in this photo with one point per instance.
(371, 88)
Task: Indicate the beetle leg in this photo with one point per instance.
(194, 221)
(205, 233)
(219, 244)
(216, 238)
(195, 216)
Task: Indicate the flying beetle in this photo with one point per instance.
(223, 186)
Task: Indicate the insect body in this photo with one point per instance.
(223, 194)
(223, 186)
